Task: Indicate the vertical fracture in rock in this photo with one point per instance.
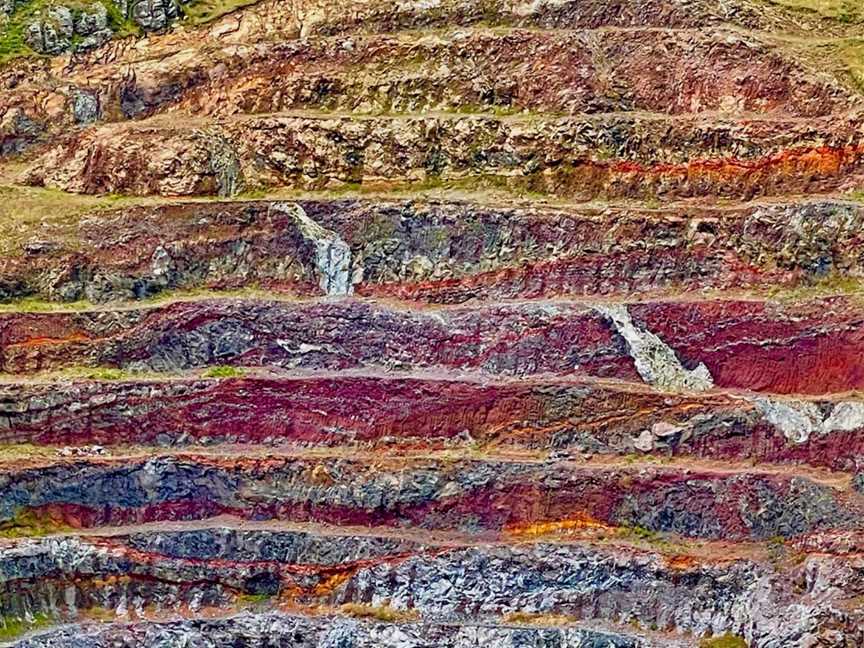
(332, 254)
(655, 361)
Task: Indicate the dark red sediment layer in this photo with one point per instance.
(390, 412)
(809, 347)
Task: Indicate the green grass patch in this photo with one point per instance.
(36, 305)
(851, 54)
(13, 29)
(105, 373)
(640, 533)
(844, 11)
(254, 599)
(39, 305)
(22, 451)
(95, 373)
(12, 43)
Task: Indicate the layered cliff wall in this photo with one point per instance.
(441, 323)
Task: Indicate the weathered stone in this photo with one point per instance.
(151, 15)
(46, 37)
(85, 107)
(92, 19)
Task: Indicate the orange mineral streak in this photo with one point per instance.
(333, 583)
(581, 522)
(49, 341)
(823, 160)
(681, 562)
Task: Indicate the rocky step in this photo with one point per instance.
(611, 156)
(482, 70)
(475, 70)
(278, 21)
(488, 493)
(88, 32)
(261, 630)
(144, 573)
(327, 16)
(561, 416)
(432, 250)
(810, 347)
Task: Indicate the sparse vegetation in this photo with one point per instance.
(254, 599)
(205, 11)
(29, 523)
(224, 371)
(105, 373)
(724, 641)
(18, 451)
(12, 32)
(851, 54)
(532, 618)
(383, 613)
(24, 211)
(661, 542)
(845, 11)
(12, 627)
(35, 305)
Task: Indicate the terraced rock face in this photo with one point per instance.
(444, 323)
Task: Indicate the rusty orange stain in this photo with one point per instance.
(681, 562)
(577, 523)
(45, 341)
(333, 582)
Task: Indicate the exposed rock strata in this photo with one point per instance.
(562, 416)
(437, 494)
(477, 323)
(639, 157)
(447, 252)
(812, 347)
(638, 586)
(261, 631)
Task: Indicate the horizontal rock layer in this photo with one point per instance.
(471, 495)
(437, 252)
(639, 157)
(260, 631)
(811, 347)
(562, 416)
(210, 566)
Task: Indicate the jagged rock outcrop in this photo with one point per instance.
(260, 631)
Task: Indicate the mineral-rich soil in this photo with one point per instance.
(444, 323)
